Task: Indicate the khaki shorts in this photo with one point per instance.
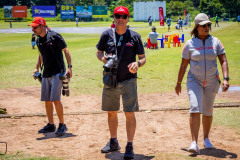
(128, 90)
(202, 98)
(51, 88)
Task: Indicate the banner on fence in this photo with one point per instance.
(20, 11)
(83, 12)
(67, 12)
(99, 11)
(8, 11)
(44, 11)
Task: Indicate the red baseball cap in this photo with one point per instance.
(37, 21)
(121, 10)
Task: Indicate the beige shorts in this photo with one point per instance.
(202, 98)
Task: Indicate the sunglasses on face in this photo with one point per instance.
(205, 25)
(119, 16)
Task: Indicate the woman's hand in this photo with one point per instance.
(225, 85)
(178, 88)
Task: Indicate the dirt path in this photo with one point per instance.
(162, 131)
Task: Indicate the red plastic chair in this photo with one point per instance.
(176, 40)
(149, 44)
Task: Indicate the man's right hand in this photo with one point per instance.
(104, 59)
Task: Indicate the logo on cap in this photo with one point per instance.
(120, 9)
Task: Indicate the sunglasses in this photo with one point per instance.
(119, 16)
(205, 25)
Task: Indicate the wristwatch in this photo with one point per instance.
(139, 63)
(226, 78)
(70, 66)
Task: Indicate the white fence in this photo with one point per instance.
(142, 10)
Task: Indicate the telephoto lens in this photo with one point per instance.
(66, 80)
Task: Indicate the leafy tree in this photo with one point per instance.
(175, 8)
(231, 7)
(212, 7)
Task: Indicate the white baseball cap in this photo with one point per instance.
(201, 19)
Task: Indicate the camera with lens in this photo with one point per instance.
(38, 76)
(111, 63)
(66, 80)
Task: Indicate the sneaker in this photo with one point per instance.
(194, 148)
(111, 146)
(207, 144)
(48, 128)
(129, 152)
(61, 129)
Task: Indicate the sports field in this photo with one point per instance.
(160, 134)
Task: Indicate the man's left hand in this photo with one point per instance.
(69, 71)
(133, 67)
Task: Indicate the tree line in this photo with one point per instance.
(224, 8)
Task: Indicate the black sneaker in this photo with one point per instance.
(129, 152)
(48, 128)
(61, 129)
(111, 146)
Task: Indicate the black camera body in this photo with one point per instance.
(111, 63)
(66, 80)
(38, 76)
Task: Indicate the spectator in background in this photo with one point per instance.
(153, 37)
(238, 19)
(113, 24)
(216, 20)
(169, 23)
(150, 21)
(33, 41)
(76, 21)
(180, 22)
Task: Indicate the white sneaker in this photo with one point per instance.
(207, 144)
(194, 148)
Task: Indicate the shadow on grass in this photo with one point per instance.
(120, 156)
(217, 153)
(53, 135)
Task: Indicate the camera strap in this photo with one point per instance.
(39, 57)
(119, 44)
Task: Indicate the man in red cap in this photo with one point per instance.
(50, 45)
(121, 45)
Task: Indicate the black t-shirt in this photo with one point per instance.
(50, 47)
(133, 47)
(33, 38)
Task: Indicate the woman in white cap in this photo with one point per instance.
(203, 80)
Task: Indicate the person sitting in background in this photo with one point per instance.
(153, 37)
(177, 26)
